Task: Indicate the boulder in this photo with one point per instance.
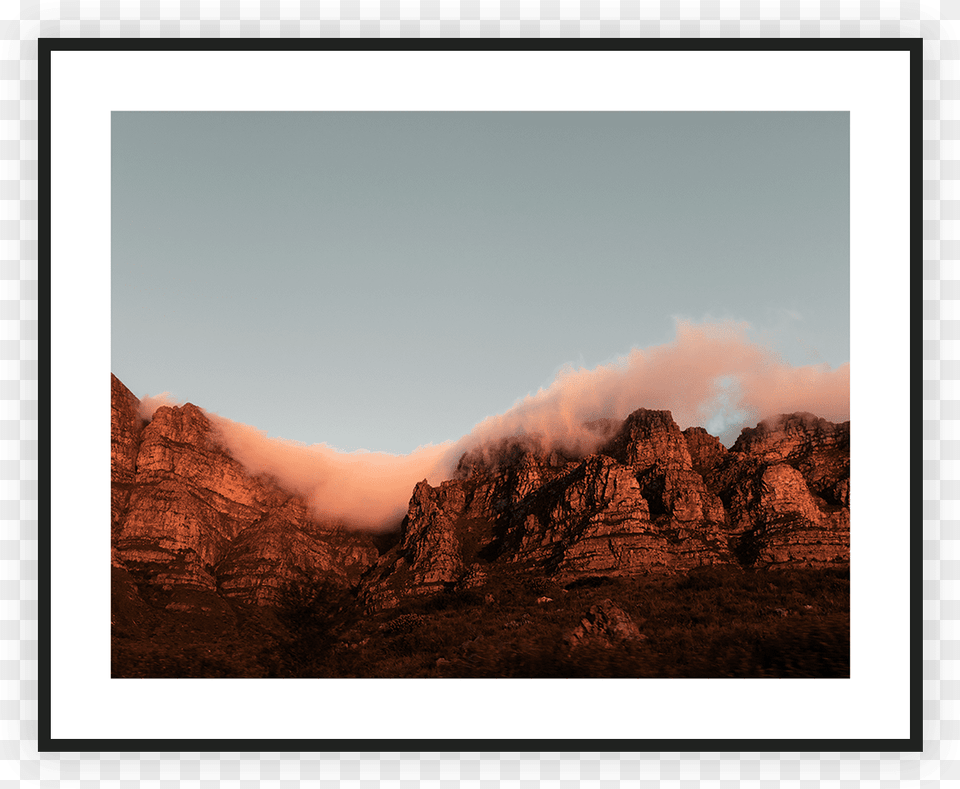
(605, 624)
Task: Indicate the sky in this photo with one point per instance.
(388, 281)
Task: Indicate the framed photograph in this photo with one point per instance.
(472, 394)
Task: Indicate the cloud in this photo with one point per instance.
(369, 490)
(711, 375)
(150, 404)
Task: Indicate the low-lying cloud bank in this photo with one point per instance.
(711, 375)
(369, 490)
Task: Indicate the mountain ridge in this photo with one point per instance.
(193, 531)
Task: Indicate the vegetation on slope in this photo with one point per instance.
(719, 621)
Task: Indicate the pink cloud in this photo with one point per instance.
(150, 404)
(686, 377)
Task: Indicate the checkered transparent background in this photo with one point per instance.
(20, 26)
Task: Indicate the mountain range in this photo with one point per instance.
(194, 533)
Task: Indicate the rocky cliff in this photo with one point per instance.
(196, 531)
(652, 499)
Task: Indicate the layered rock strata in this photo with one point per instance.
(125, 427)
(653, 498)
(191, 524)
(786, 486)
(196, 531)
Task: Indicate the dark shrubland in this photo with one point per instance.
(718, 621)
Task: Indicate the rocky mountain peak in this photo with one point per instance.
(652, 499)
(780, 437)
(706, 451)
(193, 529)
(649, 437)
(185, 419)
(511, 452)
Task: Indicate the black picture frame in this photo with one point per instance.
(50, 738)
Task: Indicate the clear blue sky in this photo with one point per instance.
(387, 280)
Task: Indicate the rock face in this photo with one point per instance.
(125, 427)
(786, 484)
(605, 624)
(652, 499)
(194, 529)
(818, 449)
(706, 451)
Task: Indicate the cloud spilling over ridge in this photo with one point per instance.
(149, 405)
(369, 490)
(711, 375)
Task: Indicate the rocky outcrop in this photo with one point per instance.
(125, 428)
(652, 499)
(818, 449)
(605, 624)
(193, 528)
(786, 487)
(776, 520)
(706, 451)
(793, 437)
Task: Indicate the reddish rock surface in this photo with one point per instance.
(193, 530)
(192, 527)
(125, 426)
(818, 449)
(605, 624)
(706, 451)
(653, 499)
